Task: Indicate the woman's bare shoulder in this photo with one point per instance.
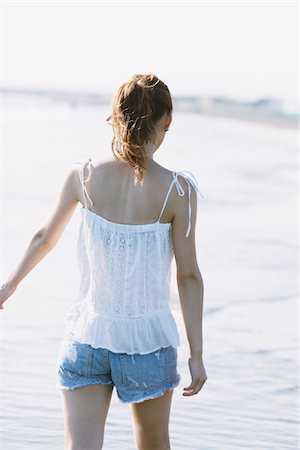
(110, 168)
(111, 165)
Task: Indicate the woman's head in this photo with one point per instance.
(138, 111)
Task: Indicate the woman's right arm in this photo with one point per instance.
(45, 238)
(190, 285)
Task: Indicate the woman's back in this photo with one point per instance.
(125, 259)
(110, 186)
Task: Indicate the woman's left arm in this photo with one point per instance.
(45, 239)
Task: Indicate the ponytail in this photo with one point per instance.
(137, 106)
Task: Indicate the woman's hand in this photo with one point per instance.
(6, 290)
(198, 375)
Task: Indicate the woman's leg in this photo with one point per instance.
(151, 422)
(85, 410)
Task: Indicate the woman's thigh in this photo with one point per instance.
(151, 422)
(85, 411)
(83, 375)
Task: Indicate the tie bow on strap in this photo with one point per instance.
(192, 183)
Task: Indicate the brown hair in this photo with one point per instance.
(137, 105)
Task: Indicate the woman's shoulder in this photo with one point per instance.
(111, 168)
(93, 164)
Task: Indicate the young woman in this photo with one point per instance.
(120, 332)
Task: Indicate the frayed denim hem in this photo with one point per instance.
(71, 388)
(157, 394)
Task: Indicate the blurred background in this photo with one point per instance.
(232, 69)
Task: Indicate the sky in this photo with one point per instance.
(243, 50)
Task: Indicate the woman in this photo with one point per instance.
(120, 332)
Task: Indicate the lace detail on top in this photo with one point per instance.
(125, 269)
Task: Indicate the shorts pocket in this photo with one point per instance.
(74, 359)
(143, 371)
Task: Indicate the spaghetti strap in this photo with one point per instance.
(82, 180)
(189, 178)
(166, 198)
(191, 182)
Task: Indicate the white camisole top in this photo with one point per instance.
(123, 300)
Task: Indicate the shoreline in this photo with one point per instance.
(263, 120)
(234, 111)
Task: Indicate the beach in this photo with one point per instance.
(246, 241)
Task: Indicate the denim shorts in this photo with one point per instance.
(136, 377)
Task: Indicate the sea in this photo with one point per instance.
(247, 242)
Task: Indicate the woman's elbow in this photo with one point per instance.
(188, 276)
(42, 240)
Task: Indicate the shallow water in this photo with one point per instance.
(247, 254)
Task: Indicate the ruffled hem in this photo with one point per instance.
(122, 335)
